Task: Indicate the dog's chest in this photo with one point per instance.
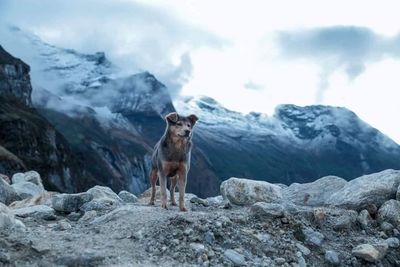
(171, 168)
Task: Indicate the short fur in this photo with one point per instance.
(171, 158)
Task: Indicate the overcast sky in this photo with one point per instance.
(248, 55)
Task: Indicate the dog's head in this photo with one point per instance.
(179, 125)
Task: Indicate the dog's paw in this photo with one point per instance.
(164, 206)
(151, 203)
(183, 209)
(173, 203)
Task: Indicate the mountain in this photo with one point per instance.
(296, 144)
(112, 123)
(27, 139)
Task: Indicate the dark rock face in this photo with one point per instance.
(14, 78)
(28, 140)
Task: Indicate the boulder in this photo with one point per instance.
(103, 199)
(247, 192)
(70, 202)
(269, 210)
(369, 189)
(371, 253)
(390, 212)
(7, 193)
(147, 193)
(8, 221)
(38, 211)
(316, 193)
(27, 189)
(127, 197)
(30, 176)
(43, 199)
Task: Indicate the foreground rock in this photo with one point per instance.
(369, 252)
(316, 193)
(70, 202)
(390, 212)
(103, 199)
(30, 176)
(8, 221)
(374, 189)
(127, 197)
(246, 192)
(39, 212)
(7, 193)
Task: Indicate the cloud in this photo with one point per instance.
(250, 85)
(347, 48)
(136, 36)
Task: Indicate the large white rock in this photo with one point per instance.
(371, 253)
(38, 211)
(27, 189)
(374, 189)
(316, 193)
(390, 212)
(246, 192)
(30, 176)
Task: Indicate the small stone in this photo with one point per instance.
(386, 227)
(188, 231)
(62, 226)
(332, 257)
(393, 242)
(345, 222)
(369, 252)
(235, 257)
(127, 197)
(88, 216)
(74, 216)
(302, 262)
(313, 237)
(364, 219)
(304, 250)
(209, 237)
(280, 261)
(270, 210)
(197, 247)
(199, 201)
(319, 214)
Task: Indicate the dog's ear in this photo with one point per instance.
(172, 117)
(193, 118)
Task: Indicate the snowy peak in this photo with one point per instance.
(139, 93)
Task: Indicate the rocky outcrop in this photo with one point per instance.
(15, 81)
(390, 212)
(368, 189)
(28, 140)
(245, 192)
(316, 193)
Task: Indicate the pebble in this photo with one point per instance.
(332, 257)
(393, 242)
(236, 258)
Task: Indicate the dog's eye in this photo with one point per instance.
(189, 125)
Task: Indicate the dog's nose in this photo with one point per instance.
(187, 132)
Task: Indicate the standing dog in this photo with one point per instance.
(171, 158)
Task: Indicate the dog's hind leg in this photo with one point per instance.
(163, 184)
(174, 180)
(153, 182)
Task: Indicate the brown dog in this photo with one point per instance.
(171, 158)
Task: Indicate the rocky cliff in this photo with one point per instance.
(28, 140)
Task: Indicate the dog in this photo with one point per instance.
(171, 158)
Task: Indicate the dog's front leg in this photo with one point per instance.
(163, 184)
(182, 187)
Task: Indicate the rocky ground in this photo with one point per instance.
(251, 224)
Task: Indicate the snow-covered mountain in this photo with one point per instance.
(113, 122)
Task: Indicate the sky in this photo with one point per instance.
(248, 55)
